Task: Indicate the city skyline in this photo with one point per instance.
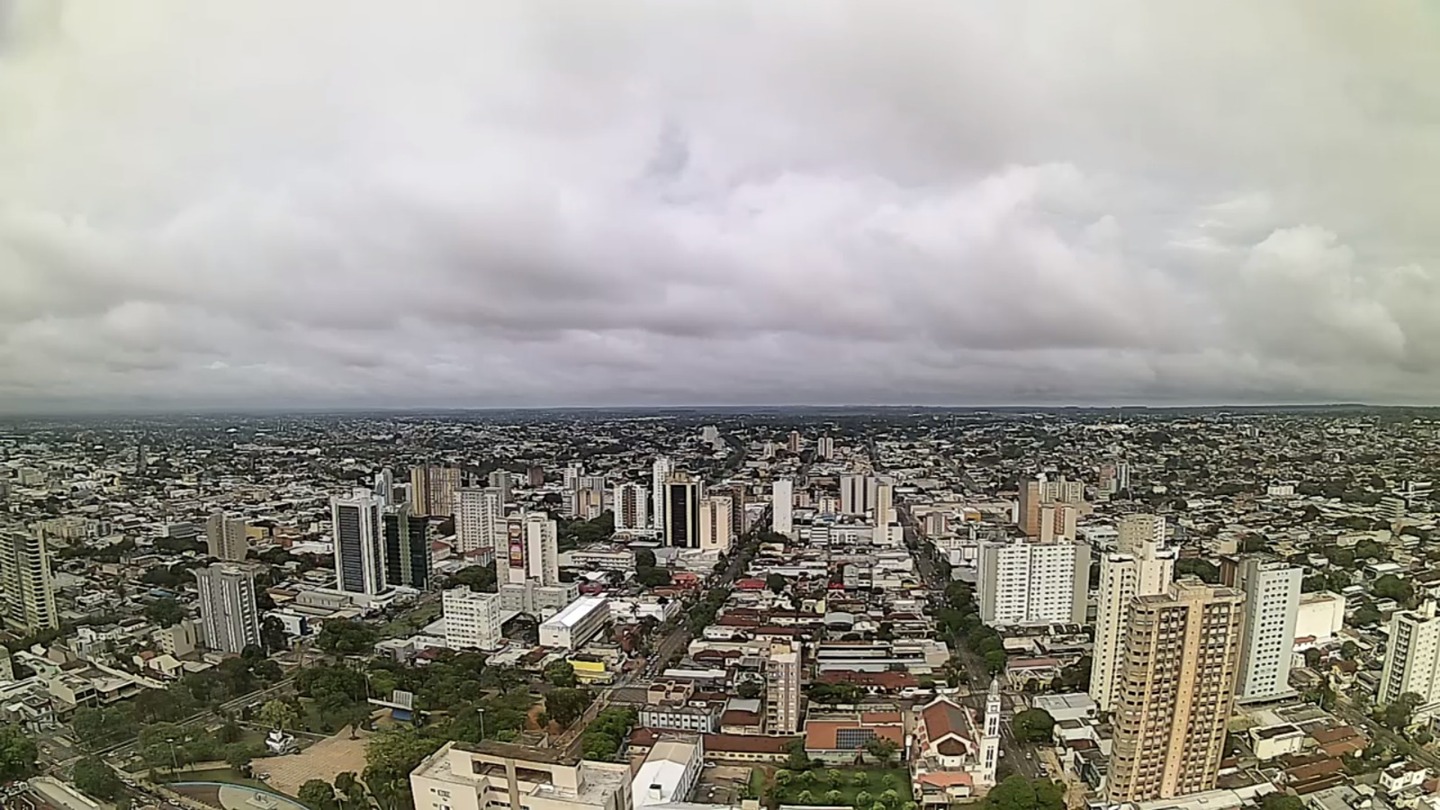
(516, 204)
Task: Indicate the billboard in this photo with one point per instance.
(515, 535)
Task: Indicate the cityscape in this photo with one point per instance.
(876, 609)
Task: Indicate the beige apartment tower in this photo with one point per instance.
(225, 538)
(1139, 566)
(432, 490)
(1176, 693)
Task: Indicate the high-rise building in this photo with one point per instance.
(682, 510)
(990, 737)
(857, 494)
(736, 494)
(825, 448)
(659, 476)
(631, 507)
(407, 547)
(570, 479)
(225, 538)
(1058, 520)
(432, 490)
(1177, 691)
(1272, 603)
(472, 620)
(385, 486)
(229, 619)
(1140, 566)
(587, 502)
(532, 550)
(1027, 510)
(1030, 583)
(359, 550)
(479, 519)
(884, 509)
(535, 476)
(501, 480)
(793, 442)
(26, 591)
(782, 507)
(782, 689)
(1412, 660)
(716, 531)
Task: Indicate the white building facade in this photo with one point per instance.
(1030, 583)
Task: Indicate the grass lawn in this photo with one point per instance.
(819, 783)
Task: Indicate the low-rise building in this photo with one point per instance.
(492, 775)
(576, 624)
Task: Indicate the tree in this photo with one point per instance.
(272, 635)
(863, 799)
(644, 558)
(1033, 725)
(94, 778)
(1398, 714)
(833, 796)
(17, 754)
(1197, 567)
(237, 756)
(317, 794)
(346, 637)
(749, 690)
(796, 759)
(164, 612)
(1392, 587)
(995, 661)
(775, 582)
(1366, 614)
(278, 714)
(784, 777)
(881, 749)
(561, 674)
(390, 756)
(478, 578)
(1281, 801)
(566, 705)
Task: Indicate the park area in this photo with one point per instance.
(871, 789)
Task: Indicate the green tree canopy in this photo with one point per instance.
(1032, 725)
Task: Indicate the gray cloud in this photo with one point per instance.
(644, 202)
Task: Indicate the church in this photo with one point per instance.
(953, 756)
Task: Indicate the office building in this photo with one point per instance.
(1267, 641)
(407, 547)
(502, 776)
(225, 538)
(479, 519)
(659, 476)
(782, 688)
(1177, 691)
(1029, 583)
(857, 494)
(716, 531)
(631, 507)
(782, 507)
(25, 587)
(358, 539)
(472, 620)
(682, 511)
(573, 627)
(432, 490)
(1412, 659)
(229, 620)
(531, 550)
(1140, 566)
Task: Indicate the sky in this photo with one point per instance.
(449, 203)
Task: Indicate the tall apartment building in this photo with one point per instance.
(1058, 520)
(1036, 492)
(1140, 566)
(782, 689)
(479, 519)
(857, 494)
(1412, 661)
(472, 620)
(501, 480)
(359, 548)
(26, 591)
(1030, 583)
(587, 503)
(782, 507)
(884, 502)
(682, 510)
(1272, 603)
(225, 538)
(1177, 691)
(432, 490)
(716, 530)
(736, 494)
(825, 448)
(659, 476)
(407, 547)
(630, 505)
(532, 551)
(570, 479)
(229, 620)
(794, 442)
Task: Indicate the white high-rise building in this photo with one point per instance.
(1267, 637)
(782, 688)
(825, 448)
(472, 620)
(631, 507)
(228, 616)
(716, 531)
(479, 519)
(782, 507)
(659, 475)
(225, 538)
(532, 550)
(573, 472)
(359, 542)
(1412, 660)
(884, 510)
(26, 591)
(857, 494)
(1029, 583)
(1140, 566)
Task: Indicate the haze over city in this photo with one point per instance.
(461, 204)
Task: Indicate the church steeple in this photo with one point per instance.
(990, 741)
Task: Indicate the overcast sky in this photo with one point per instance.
(213, 203)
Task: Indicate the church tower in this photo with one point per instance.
(990, 741)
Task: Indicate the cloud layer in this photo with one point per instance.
(542, 202)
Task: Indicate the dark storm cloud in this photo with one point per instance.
(648, 202)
